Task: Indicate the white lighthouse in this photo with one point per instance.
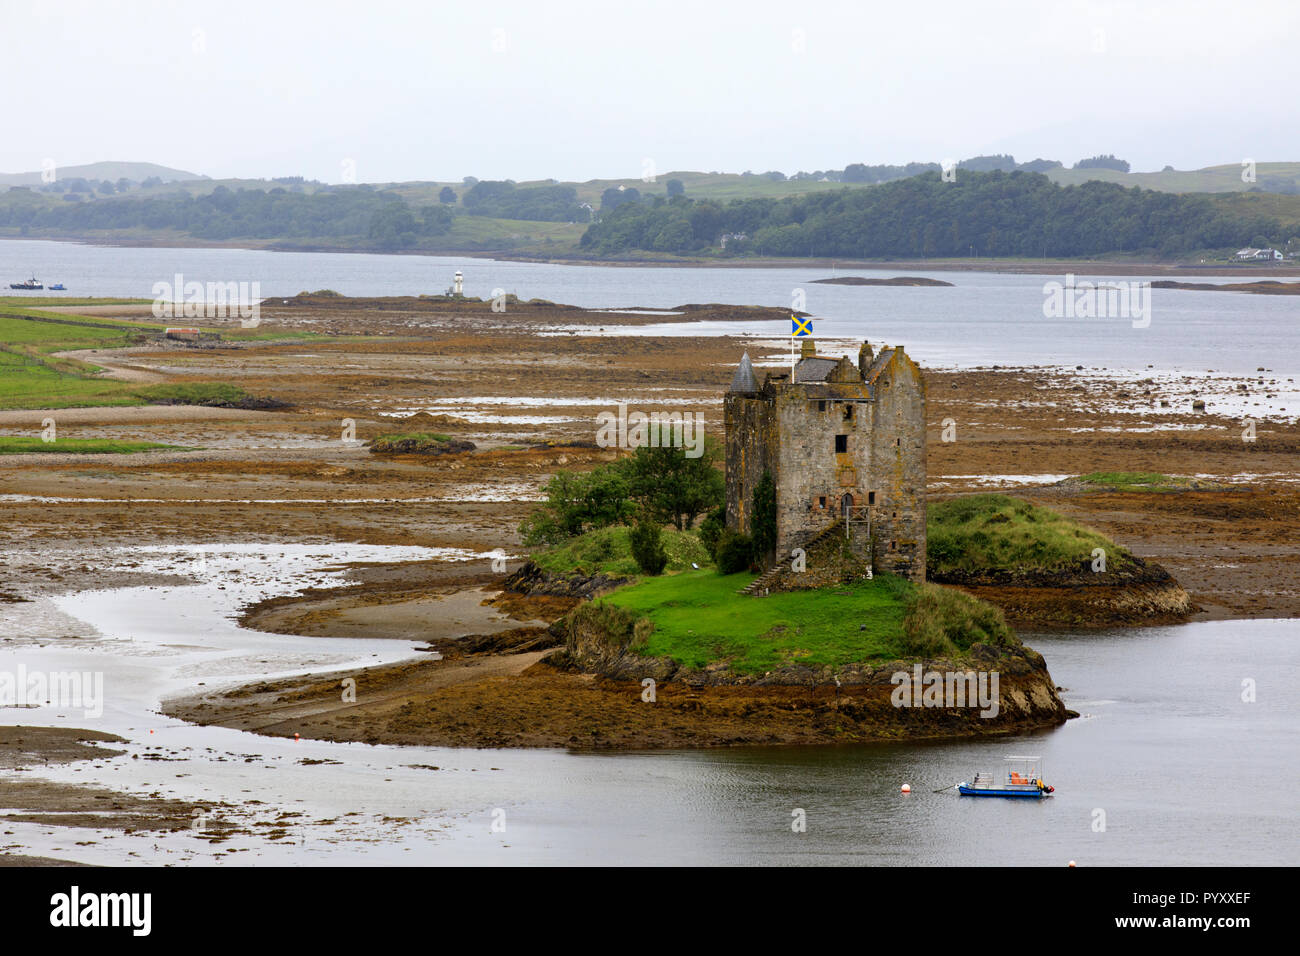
(458, 284)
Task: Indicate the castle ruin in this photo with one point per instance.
(844, 444)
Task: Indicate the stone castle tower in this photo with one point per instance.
(845, 446)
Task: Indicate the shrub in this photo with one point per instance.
(647, 548)
(609, 551)
(943, 621)
(577, 502)
(711, 529)
(735, 552)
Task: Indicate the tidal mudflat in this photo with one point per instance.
(273, 552)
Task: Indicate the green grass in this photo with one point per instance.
(191, 393)
(56, 336)
(608, 551)
(699, 618)
(1142, 481)
(22, 445)
(410, 443)
(26, 302)
(25, 383)
(992, 533)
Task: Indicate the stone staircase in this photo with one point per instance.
(761, 585)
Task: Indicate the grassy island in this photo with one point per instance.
(995, 534)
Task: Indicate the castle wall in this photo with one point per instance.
(750, 441)
(898, 516)
(814, 476)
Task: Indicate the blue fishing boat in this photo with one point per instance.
(58, 287)
(1023, 778)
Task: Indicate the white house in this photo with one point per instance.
(1246, 255)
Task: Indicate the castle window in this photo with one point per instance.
(841, 444)
(821, 501)
(871, 497)
(821, 406)
(848, 412)
(893, 546)
(898, 442)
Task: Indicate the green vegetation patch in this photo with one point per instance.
(994, 533)
(22, 445)
(57, 335)
(215, 394)
(700, 618)
(391, 443)
(1144, 481)
(608, 551)
(420, 443)
(26, 382)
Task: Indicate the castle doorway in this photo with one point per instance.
(846, 503)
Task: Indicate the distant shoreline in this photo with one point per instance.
(1009, 266)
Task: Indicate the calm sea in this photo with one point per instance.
(984, 319)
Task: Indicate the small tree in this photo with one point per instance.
(675, 188)
(578, 502)
(673, 487)
(646, 540)
(447, 195)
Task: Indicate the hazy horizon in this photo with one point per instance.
(382, 93)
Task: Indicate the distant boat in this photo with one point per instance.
(58, 287)
(1013, 783)
(32, 283)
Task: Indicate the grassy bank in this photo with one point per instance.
(24, 445)
(1144, 481)
(982, 534)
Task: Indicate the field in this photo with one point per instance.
(27, 383)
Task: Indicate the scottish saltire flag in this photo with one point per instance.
(800, 327)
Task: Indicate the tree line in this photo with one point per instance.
(359, 214)
(1019, 213)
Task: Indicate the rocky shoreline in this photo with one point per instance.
(504, 692)
(1144, 595)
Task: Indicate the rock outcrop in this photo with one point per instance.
(604, 640)
(1143, 594)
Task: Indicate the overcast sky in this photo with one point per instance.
(577, 91)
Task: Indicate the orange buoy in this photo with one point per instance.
(907, 788)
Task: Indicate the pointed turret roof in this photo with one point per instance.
(743, 381)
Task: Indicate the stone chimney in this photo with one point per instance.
(807, 348)
(865, 357)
